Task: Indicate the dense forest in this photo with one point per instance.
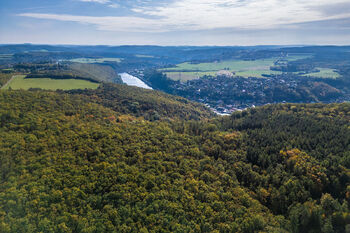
(123, 159)
(151, 105)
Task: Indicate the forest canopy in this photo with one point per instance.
(94, 161)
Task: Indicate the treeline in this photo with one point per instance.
(4, 78)
(159, 81)
(84, 161)
(68, 70)
(57, 75)
(152, 105)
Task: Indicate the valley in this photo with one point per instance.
(255, 142)
(226, 79)
(177, 116)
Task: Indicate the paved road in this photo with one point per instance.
(8, 82)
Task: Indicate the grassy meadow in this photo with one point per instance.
(297, 56)
(5, 56)
(186, 76)
(188, 71)
(234, 65)
(256, 73)
(245, 68)
(144, 56)
(96, 60)
(20, 82)
(324, 73)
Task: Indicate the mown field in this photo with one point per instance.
(99, 72)
(6, 56)
(20, 82)
(96, 60)
(144, 56)
(186, 76)
(324, 73)
(256, 73)
(245, 68)
(234, 65)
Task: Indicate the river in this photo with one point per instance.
(133, 81)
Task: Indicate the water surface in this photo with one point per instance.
(133, 81)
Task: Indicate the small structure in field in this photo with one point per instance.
(226, 73)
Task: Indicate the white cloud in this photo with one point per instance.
(258, 14)
(114, 5)
(107, 23)
(208, 14)
(97, 1)
(109, 3)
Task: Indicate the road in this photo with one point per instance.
(8, 82)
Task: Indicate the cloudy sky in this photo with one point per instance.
(175, 22)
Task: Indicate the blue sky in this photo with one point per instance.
(175, 22)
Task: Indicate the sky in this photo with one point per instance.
(175, 22)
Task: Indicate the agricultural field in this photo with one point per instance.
(104, 73)
(96, 60)
(188, 71)
(298, 56)
(245, 68)
(144, 56)
(324, 73)
(233, 65)
(5, 56)
(257, 73)
(8, 70)
(186, 76)
(20, 82)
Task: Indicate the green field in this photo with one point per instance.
(234, 65)
(297, 56)
(257, 73)
(144, 56)
(20, 82)
(5, 56)
(96, 60)
(186, 76)
(324, 73)
(245, 68)
(187, 71)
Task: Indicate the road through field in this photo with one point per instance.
(8, 82)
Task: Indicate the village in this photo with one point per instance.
(225, 95)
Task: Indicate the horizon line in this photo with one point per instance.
(181, 45)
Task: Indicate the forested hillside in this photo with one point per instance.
(152, 105)
(93, 161)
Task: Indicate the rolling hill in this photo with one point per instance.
(94, 161)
